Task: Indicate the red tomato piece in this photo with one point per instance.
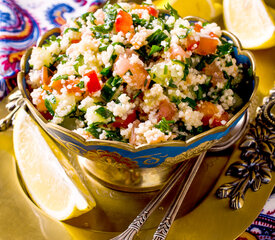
(45, 76)
(191, 44)
(93, 85)
(197, 27)
(220, 121)
(207, 46)
(151, 10)
(124, 123)
(124, 22)
(209, 110)
(166, 110)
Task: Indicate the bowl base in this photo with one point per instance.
(123, 178)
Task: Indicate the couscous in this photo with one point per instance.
(131, 73)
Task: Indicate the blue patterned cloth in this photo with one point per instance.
(21, 24)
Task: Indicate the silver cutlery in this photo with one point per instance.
(161, 233)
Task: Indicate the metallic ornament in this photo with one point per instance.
(257, 157)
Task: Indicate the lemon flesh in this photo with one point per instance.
(207, 9)
(251, 22)
(46, 180)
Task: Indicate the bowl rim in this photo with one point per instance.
(126, 146)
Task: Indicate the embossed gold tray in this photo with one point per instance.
(203, 216)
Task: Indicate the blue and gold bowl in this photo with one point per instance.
(147, 158)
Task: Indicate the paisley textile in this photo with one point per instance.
(21, 24)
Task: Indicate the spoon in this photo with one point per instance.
(161, 233)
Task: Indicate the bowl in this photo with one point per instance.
(141, 167)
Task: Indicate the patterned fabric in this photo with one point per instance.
(23, 21)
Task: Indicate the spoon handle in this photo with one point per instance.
(165, 224)
(138, 222)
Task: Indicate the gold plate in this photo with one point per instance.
(203, 216)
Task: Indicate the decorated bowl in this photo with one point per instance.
(150, 161)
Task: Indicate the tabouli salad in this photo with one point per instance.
(131, 73)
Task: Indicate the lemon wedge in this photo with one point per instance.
(207, 9)
(47, 181)
(251, 22)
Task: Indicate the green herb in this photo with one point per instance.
(199, 93)
(78, 24)
(138, 21)
(156, 38)
(175, 100)
(187, 32)
(205, 59)
(165, 71)
(228, 64)
(80, 84)
(102, 48)
(49, 101)
(155, 49)
(71, 29)
(104, 112)
(136, 95)
(225, 48)
(94, 129)
(65, 77)
(50, 40)
(80, 62)
(164, 126)
(113, 57)
(185, 68)
(110, 87)
(90, 14)
(143, 53)
(171, 84)
(173, 12)
(114, 135)
(204, 24)
(191, 103)
(110, 17)
(106, 72)
(118, 43)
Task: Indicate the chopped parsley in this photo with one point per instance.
(164, 126)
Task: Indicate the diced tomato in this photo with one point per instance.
(215, 72)
(124, 22)
(75, 40)
(213, 35)
(192, 44)
(41, 107)
(47, 115)
(93, 85)
(207, 46)
(197, 27)
(176, 50)
(57, 85)
(124, 123)
(151, 10)
(166, 110)
(73, 88)
(218, 121)
(45, 76)
(209, 110)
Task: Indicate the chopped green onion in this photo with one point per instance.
(71, 29)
